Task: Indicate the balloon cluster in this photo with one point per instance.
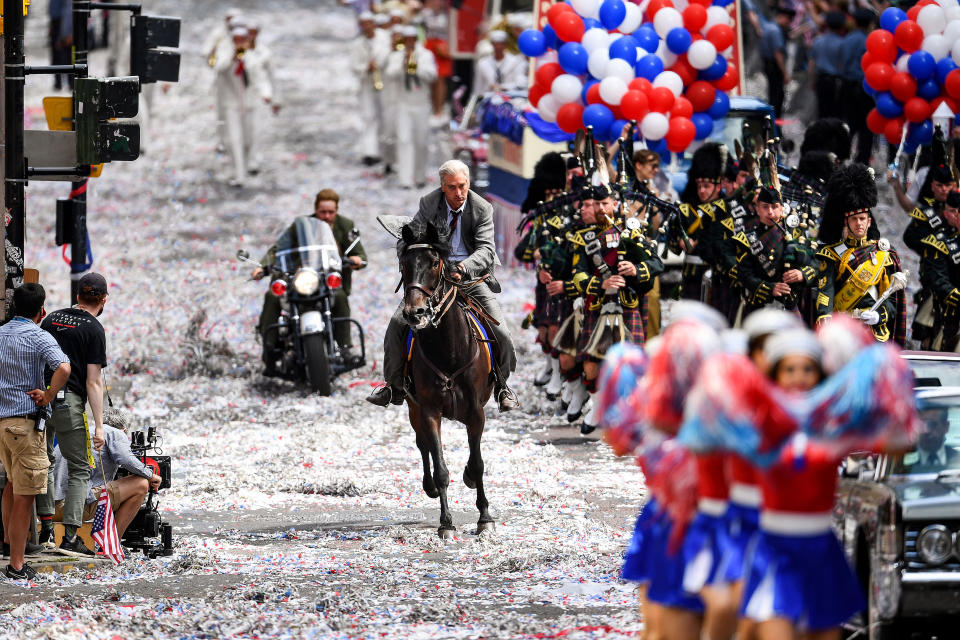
(911, 67)
(604, 62)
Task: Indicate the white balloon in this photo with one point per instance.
(903, 63)
(632, 20)
(664, 53)
(701, 54)
(931, 19)
(936, 45)
(680, 5)
(653, 126)
(953, 14)
(955, 54)
(597, 62)
(566, 88)
(666, 20)
(594, 39)
(548, 107)
(612, 89)
(670, 80)
(946, 4)
(585, 8)
(715, 15)
(952, 32)
(618, 68)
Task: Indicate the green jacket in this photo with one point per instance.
(341, 228)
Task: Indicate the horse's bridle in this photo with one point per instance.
(438, 300)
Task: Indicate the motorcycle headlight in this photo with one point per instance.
(934, 544)
(306, 282)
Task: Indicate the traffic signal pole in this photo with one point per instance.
(15, 176)
(78, 190)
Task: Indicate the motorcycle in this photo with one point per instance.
(305, 275)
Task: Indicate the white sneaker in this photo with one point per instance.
(543, 376)
(554, 386)
(577, 400)
(592, 420)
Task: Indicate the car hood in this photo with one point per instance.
(922, 497)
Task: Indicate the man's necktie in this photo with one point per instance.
(933, 460)
(499, 74)
(454, 219)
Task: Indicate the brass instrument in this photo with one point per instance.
(377, 78)
(240, 52)
(412, 63)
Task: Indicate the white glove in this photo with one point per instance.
(870, 318)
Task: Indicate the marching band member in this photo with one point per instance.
(701, 204)
(501, 70)
(368, 55)
(940, 274)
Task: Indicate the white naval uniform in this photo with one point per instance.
(238, 97)
(411, 112)
(363, 51)
(491, 74)
(265, 88)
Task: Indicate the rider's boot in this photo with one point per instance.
(592, 420)
(386, 394)
(578, 398)
(545, 373)
(556, 380)
(506, 399)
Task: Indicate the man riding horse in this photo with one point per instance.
(468, 221)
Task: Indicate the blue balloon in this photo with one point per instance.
(944, 67)
(612, 13)
(715, 71)
(591, 23)
(573, 58)
(870, 91)
(625, 48)
(532, 43)
(551, 37)
(647, 38)
(888, 106)
(678, 40)
(910, 147)
(921, 133)
(720, 106)
(649, 67)
(921, 65)
(586, 87)
(616, 129)
(929, 90)
(891, 17)
(704, 125)
(598, 116)
(722, 3)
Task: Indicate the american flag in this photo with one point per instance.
(105, 529)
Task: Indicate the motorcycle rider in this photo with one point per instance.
(469, 219)
(325, 208)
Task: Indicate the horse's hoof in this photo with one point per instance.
(485, 526)
(467, 480)
(446, 533)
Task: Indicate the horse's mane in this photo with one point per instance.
(419, 232)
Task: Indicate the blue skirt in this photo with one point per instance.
(703, 552)
(742, 524)
(636, 561)
(805, 579)
(665, 571)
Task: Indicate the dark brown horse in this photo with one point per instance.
(449, 370)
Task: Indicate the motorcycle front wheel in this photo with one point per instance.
(318, 364)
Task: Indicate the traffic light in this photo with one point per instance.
(99, 100)
(146, 61)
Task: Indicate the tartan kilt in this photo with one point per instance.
(632, 320)
(541, 306)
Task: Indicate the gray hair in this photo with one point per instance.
(453, 168)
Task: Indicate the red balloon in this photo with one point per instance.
(640, 84)
(557, 10)
(656, 5)
(876, 122)
(593, 94)
(903, 86)
(570, 117)
(701, 95)
(681, 108)
(908, 36)
(536, 92)
(916, 110)
(893, 130)
(569, 27)
(683, 69)
(660, 99)
(634, 105)
(680, 135)
(881, 46)
(694, 17)
(868, 59)
(913, 12)
(879, 75)
(705, 3)
(952, 84)
(721, 35)
(547, 73)
(729, 80)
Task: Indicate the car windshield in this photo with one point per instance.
(935, 372)
(732, 127)
(938, 444)
(308, 242)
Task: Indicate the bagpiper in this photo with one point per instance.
(940, 274)
(857, 266)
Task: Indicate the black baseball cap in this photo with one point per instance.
(92, 284)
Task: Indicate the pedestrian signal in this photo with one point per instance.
(99, 102)
(146, 61)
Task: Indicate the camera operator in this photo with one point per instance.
(126, 493)
(26, 351)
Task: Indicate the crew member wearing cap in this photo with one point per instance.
(940, 274)
(501, 70)
(856, 264)
(80, 336)
(825, 66)
(411, 71)
(770, 268)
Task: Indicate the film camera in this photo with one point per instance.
(147, 525)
